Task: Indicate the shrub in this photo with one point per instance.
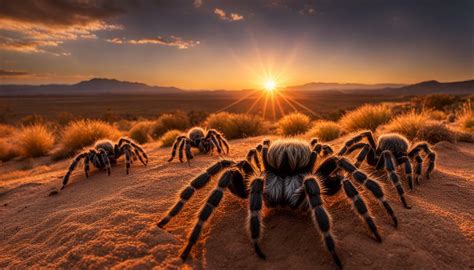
(167, 122)
(82, 133)
(33, 119)
(168, 138)
(366, 117)
(6, 130)
(140, 132)
(466, 118)
(35, 141)
(434, 132)
(437, 115)
(437, 101)
(124, 125)
(7, 150)
(293, 124)
(325, 130)
(237, 125)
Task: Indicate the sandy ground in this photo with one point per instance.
(105, 222)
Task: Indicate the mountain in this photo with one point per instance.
(320, 86)
(90, 87)
(431, 87)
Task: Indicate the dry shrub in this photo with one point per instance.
(168, 138)
(7, 150)
(293, 124)
(167, 121)
(35, 141)
(82, 133)
(465, 118)
(366, 117)
(140, 132)
(124, 124)
(325, 130)
(437, 115)
(419, 126)
(6, 130)
(237, 125)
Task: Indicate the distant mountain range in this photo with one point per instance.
(112, 86)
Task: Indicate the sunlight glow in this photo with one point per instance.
(269, 85)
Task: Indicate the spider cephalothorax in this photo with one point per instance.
(287, 175)
(204, 140)
(104, 153)
(390, 151)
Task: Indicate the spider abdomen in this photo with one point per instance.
(283, 190)
(393, 142)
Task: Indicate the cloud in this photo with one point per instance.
(12, 73)
(38, 26)
(197, 3)
(228, 17)
(172, 41)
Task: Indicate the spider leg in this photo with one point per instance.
(324, 148)
(220, 139)
(86, 165)
(255, 207)
(408, 170)
(389, 166)
(360, 207)
(320, 215)
(212, 202)
(187, 150)
(368, 183)
(313, 142)
(137, 153)
(176, 143)
(356, 139)
(418, 168)
(216, 143)
(431, 155)
(106, 160)
(198, 183)
(72, 166)
(181, 150)
(252, 155)
(126, 149)
(136, 146)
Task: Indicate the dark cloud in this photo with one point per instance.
(12, 73)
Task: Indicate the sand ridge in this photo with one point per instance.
(110, 222)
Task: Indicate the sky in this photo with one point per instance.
(210, 44)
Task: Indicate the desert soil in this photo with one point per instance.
(110, 222)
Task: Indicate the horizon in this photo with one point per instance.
(198, 45)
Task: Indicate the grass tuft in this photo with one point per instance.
(465, 118)
(167, 121)
(140, 132)
(366, 117)
(7, 130)
(325, 130)
(293, 124)
(437, 115)
(237, 125)
(168, 138)
(7, 150)
(35, 141)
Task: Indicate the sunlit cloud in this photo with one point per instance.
(41, 26)
(172, 41)
(12, 73)
(228, 17)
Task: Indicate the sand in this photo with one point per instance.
(110, 222)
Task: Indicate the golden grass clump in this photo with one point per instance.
(366, 117)
(168, 121)
(140, 132)
(168, 138)
(325, 130)
(465, 118)
(437, 115)
(82, 133)
(419, 126)
(6, 130)
(293, 124)
(35, 141)
(7, 150)
(237, 125)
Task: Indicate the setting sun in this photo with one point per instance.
(270, 85)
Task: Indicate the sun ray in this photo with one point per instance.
(302, 106)
(265, 106)
(237, 101)
(288, 102)
(282, 112)
(255, 103)
(272, 100)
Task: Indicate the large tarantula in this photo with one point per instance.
(287, 176)
(390, 151)
(204, 140)
(104, 153)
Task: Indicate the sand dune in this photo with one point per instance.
(111, 221)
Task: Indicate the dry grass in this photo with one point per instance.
(7, 130)
(366, 117)
(7, 150)
(437, 115)
(293, 124)
(35, 141)
(141, 131)
(82, 133)
(419, 126)
(465, 118)
(165, 122)
(325, 130)
(168, 138)
(237, 125)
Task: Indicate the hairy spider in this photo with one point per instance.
(390, 151)
(287, 176)
(204, 140)
(104, 153)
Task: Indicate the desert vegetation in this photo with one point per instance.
(293, 124)
(325, 130)
(366, 117)
(236, 126)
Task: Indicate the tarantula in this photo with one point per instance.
(204, 140)
(104, 153)
(287, 176)
(390, 151)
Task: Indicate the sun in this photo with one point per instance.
(269, 85)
